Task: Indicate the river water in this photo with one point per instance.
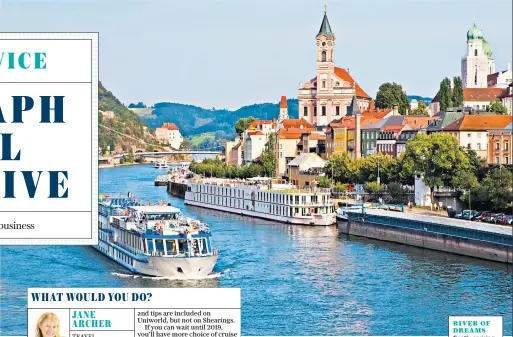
(294, 280)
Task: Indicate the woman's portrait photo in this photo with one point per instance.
(48, 325)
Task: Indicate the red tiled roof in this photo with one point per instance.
(316, 136)
(296, 123)
(283, 102)
(344, 75)
(376, 113)
(257, 124)
(170, 126)
(481, 94)
(255, 133)
(293, 133)
(417, 121)
(349, 122)
(479, 123)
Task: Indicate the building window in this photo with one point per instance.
(281, 154)
(469, 146)
(497, 160)
(506, 160)
(323, 56)
(469, 135)
(337, 110)
(323, 108)
(475, 52)
(305, 111)
(506, 146)
(315, 110)
(337, 84)
(479, 146)
(324, 83)
(497, 146)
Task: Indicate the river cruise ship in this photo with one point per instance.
(154, 239)
(160, 164)
(261, 198)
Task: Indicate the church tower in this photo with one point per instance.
(325, 39)
(284, 112)
(478, 63)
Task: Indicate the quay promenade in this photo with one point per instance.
(481, 240)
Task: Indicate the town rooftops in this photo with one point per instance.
(477, 95)
(481, 94)
(479, 123)
(257, 124)
(296, 123)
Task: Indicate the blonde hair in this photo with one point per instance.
(45, 317)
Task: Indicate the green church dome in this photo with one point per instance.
(474, 33)
(487, 49)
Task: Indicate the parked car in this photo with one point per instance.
(476, 216)
(469, 214)
(483, 216)
(464, 214)
(493, 218)
(504, 220)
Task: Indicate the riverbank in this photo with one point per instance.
(481, 240)
(116, 165)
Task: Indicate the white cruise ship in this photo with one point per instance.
(154, 240)
(278, 202)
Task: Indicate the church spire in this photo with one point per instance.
(325, 26)
(353, 109)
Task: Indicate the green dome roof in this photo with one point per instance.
(487, 49)
(474, 33)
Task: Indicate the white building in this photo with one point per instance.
(501, 79)
(255, 138)
(170, 134)
(477, 63)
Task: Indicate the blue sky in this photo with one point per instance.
(230, 53)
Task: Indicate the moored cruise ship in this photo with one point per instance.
(154, 240)
(278, 202)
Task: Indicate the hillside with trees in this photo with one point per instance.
(124, 121)
(193, 120)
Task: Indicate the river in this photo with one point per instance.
(294, 280)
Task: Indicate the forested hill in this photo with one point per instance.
(124, 121)
(194, 120)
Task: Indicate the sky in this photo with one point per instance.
(231, 53)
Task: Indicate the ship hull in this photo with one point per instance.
(159, 266)
(320, 220)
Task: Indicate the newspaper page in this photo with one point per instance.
(256, 168)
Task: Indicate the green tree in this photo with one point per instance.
(494, 191)
(130, 157)
(339, 167)
(457, 93)
(445, 94)
(268, 157)
(324, 182)
(420, 110)
(186, 144)
(390, 94)
(438, 158)
(375, 190)
(396, 191)
(242, 124)
(497, 108)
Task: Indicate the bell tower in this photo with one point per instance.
(325, 40)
